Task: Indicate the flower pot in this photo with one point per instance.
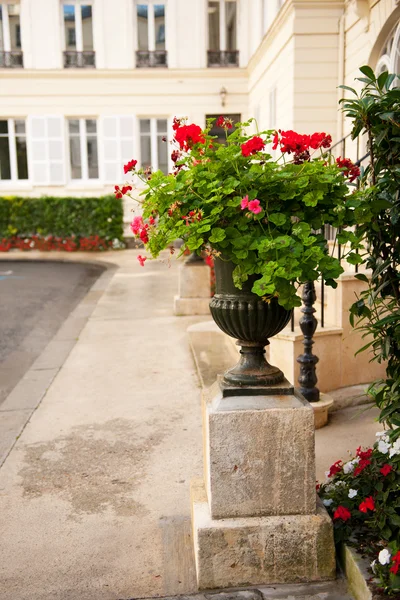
(245, 316)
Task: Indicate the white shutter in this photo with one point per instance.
(118, 146)
(47, 149)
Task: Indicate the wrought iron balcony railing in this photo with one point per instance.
(11, 60)
(223, 58)
(148, 59)
(79, 60)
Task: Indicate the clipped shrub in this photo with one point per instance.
(67, 223)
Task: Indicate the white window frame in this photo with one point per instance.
(222, 26)
(78, 22)
(151, 24)
(83, 149)
(6, 25)
(153, 134)
(12, 148)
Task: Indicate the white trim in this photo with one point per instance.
(12, 147)
(78, 28)
(6, 28)
(222, 25)
(151, 28)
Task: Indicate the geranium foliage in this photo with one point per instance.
(237, 201)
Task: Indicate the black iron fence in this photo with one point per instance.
(11, 60)
(223, 58)
(149, 59)
(79, 60)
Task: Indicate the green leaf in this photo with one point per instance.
(312, 198)
(217, 235)
(277, 218)
(354, 259)
(362, 277)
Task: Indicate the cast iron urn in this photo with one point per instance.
(245, 316)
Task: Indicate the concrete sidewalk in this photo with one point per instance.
(94, 495)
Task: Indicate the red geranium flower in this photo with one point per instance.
(252, 146)
(117, 192)
(368, 504)
(361, 466)
(320, 140)
(364, 454)
(335, 468)
(351, 170)
(130, 166)
(189, 135)
(396, 559)
(142, 260)
(386, 469)
(342, 513)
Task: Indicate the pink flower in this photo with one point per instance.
(245, 202)
(254, 206)
(136, 225)
(142, 260)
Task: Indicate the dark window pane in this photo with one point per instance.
(73, 126)
(162, 149)
(75, 157)
(91, 126)
(69, 25)
(145, 151)
(142, 23)
(230, 16)
(5, 168)
(144, 125)
(3, 127)
(1, 29)
(159, 23)
(22, 157)
(213, 26)
(14, 20)
(87, 27)
(92, 154)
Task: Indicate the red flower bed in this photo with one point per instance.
(49, 243)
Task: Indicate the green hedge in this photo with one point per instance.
(61, 217)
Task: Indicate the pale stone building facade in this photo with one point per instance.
(88, 84)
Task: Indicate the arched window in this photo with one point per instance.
(390, 56)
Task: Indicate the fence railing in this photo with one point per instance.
(223, 58)
(12, 60)
(151, 59)
(79, 60)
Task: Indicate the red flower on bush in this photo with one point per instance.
(364, 454)
(342, 513)
(367, 505)
(189, 135)
(222, 122)
(130, 166)
(396, 559)
(386, 469)
(320, 140)
(351, 170)
(335, 468)
(142, 260)
(252, 146)
(119, 192)
(363, 464)
(292, 142)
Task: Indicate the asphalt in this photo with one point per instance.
(36, 298)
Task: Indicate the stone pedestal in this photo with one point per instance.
(255, 516)
(194, 289)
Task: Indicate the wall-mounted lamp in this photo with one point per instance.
(223, 94)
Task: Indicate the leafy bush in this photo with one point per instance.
(36, 222)
(363, 497)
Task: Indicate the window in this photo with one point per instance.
(10, 36)
(83, 152)
(13, 152)
(78, 34)
(153, 148)
(220, 131)
(151, 35)
(222, 33)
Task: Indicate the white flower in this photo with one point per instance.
(381, 434)
(373, 566)
(395, 449)
(327, 502)
(383, 447)
(384, 556)
(352, 493)
(349, 466)
(339, 483)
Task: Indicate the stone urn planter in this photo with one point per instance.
(252, 321)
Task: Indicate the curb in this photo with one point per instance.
(23, 400)
(355, 570)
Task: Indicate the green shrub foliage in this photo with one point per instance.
(65, 218)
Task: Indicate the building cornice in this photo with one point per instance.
(133, 74)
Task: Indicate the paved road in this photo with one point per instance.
(35, 298)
